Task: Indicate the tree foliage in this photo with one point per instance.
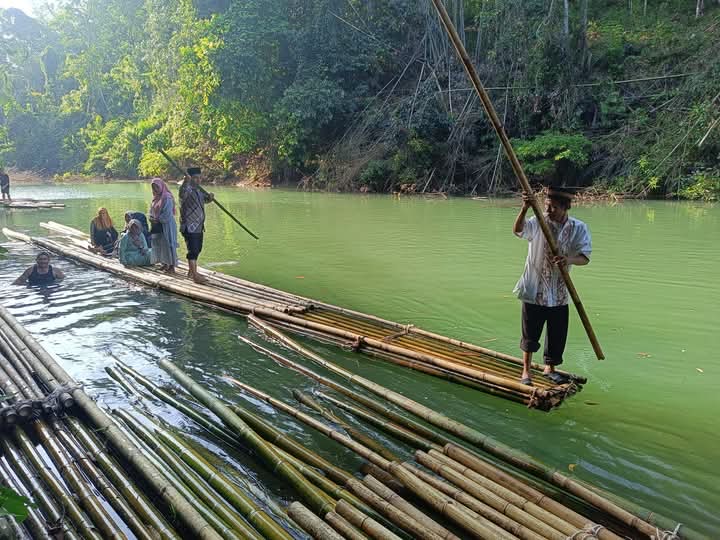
(344, 94)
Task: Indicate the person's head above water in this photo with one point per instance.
(43, 259)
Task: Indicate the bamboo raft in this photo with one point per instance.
(130, 475)
(404, 345)
(31, 204)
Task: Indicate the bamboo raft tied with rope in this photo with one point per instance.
(130, 474)
(31, 204)
(403, 345)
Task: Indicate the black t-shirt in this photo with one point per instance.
(4, 179)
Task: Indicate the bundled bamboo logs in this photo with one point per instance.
(403, 345)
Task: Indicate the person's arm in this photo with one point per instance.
(59, 274)
(208, 197)
(519, 225)
(22, 280)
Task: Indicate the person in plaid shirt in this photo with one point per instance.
(192, 219)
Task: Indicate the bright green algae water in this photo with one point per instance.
(645, 426)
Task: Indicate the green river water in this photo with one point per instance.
(645, 426)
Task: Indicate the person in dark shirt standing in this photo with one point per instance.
(5, 185)
(192, 219)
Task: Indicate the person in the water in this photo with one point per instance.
(40, 273)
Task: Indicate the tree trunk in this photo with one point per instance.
(699, 8)
(566, 24)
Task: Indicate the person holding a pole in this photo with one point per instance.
(192, 219)
(541, 288)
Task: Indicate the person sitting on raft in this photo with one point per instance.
(102, 233)
(40, 273)
(133, 249)
(130, 215)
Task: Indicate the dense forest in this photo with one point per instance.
(368, 95)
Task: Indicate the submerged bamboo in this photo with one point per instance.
(246, 506)
(268, 455)
(43, 363)
(471, 435)
(356, 434)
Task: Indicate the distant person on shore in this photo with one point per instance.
(192, 219)
(163, 229)
(102, 233)
(541, 288)
(133, 249)
(5, 185)
(130, 215)
(40, 273)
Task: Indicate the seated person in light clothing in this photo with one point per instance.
(133, 249)
(541, 288)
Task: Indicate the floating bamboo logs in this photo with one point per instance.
(311, 524)
(291, 446)
(356, 434)
(183, 471)
(179, 482)
(241, 502)
(364, 523)
(344, 527)
(417, 527)
(493, 447)
(39, 526)
(310, 493)
(471, 521)
(43, 363)
(135, 497)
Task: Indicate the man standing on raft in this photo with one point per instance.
(541, 288)
(192, 219)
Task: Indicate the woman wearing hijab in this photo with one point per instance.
(102, 233)
(163, 229)
(130, 215)
(133, 250)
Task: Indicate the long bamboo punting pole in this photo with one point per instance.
(491, 446)
(516, 166)
(186, 513)
(220, 206)
(309, 492)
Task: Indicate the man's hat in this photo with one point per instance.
(561, 192)
(193, 171)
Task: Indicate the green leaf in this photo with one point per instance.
(12, 504)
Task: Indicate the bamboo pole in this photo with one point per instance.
(311, 524)
(266, 453)
(516, 166)
(190, 477)
(220, 206)
(417, 524)
(484, 442)
(35, 523)
(188, 515)
(472, 522)
(178, 482)
(553, 528)
(344, 527)
(291, 446)
(137, 499)
(366, 524)
(241, 502)
(356, 434)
